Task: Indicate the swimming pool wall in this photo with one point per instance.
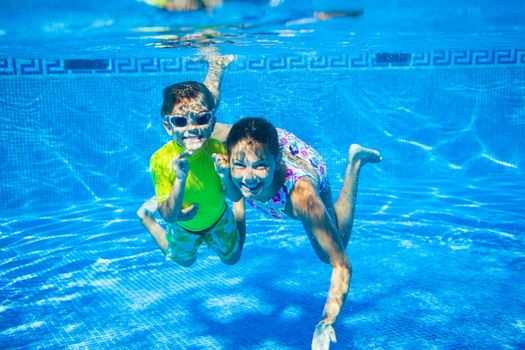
(83, 129)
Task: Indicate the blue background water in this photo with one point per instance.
(437, 247)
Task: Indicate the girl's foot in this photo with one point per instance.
(364, 155)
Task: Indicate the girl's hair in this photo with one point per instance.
(186, 91)
(257, 130)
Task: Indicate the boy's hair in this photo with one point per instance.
(255, 129)
(186, 91)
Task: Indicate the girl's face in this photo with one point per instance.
(191, 125)
(253, 169)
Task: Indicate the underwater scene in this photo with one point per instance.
(436, 250)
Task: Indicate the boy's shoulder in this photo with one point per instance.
(215, 146)
(168, 150)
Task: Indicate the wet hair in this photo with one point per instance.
(186, 91)
(256, 130)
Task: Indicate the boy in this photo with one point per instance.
(189, 193)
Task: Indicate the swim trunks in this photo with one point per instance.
(294, 151)
(223, 238)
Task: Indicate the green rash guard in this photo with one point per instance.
(203, 185)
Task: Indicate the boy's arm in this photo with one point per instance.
(171, 209)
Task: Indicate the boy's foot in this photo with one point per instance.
(221, 61)
(365, 155)
(148, 208)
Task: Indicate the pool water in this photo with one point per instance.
(437, 249)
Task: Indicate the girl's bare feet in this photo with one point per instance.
(364, 155)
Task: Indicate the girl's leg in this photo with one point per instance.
(346, 202)
(145, 214)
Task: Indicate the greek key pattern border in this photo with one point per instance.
(442, 58)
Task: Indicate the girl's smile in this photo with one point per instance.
(253, 170)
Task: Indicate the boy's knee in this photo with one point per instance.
(233, 259)
(185, 263)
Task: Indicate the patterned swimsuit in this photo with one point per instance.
(293, 147)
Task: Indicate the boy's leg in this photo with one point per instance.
(182, 245)
(346, 202)
(186, 263)
(227, 236)
(217, 63)
(145, 214)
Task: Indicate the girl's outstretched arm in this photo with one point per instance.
(305, 205)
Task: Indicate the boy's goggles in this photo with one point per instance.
(181, 120)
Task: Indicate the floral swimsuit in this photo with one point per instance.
(275, 206)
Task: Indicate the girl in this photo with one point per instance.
(282, 176)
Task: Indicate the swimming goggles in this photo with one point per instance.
(181, 121)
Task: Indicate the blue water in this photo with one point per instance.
(437, 249)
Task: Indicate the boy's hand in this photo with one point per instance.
(181, 166)
(188, 213)
(222, 164)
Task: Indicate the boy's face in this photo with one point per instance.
(191, 124)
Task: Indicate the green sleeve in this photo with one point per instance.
(162, 175)
(216, 146)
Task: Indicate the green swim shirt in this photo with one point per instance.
(203, 185)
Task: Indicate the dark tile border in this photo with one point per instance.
(441, 58)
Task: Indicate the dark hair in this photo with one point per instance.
(255, 129)
(188, 90)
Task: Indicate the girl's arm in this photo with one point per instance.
(238, 213)
(222, 166)
(305, 205)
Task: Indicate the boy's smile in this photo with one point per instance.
(191, 140)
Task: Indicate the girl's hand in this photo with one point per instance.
(222, 165)
(323, 335)
(181, 166)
